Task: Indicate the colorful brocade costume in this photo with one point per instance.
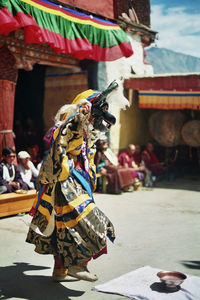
(66, 222)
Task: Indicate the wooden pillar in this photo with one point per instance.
(8, 78)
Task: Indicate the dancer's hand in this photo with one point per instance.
(103, 171)
(85, 108)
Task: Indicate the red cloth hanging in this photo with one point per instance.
(7, 93)
(8, 78)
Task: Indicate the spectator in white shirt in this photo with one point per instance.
(27, 169)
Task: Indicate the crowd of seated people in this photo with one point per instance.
(19, 169)
(10, 177)
(119, 178)
(128, 170)
(16, 175)
(133, 156)
(126, 160)
(124, 172)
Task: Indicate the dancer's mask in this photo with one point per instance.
(102, 119)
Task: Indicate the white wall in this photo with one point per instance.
(122, 68)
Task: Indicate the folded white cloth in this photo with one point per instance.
(143, 284)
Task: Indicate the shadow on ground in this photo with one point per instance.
(190, 183)
(15, 284)
(161, 288)
(191, 264)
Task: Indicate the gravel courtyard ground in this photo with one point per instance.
(158, 227)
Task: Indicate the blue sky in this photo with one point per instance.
(178, 24)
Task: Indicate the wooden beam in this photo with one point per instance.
(13, 203)
(29, 54)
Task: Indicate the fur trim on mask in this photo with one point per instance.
(68, 110)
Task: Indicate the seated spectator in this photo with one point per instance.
(119, 178)
(32, 132)
(151, 161)
(137, 155)
(10, 178)
(27, 169)
(126, 160)
(34, 154)
(19, 135)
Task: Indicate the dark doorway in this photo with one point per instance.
(28, 116)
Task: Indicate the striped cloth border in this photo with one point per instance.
(170, 99)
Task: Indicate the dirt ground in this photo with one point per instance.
(159, 227)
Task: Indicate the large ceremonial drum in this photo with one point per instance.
(191, 133)
(165, 127)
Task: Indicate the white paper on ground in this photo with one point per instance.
(143, 284)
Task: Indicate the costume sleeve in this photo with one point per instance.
(92, 167)
(67, 139)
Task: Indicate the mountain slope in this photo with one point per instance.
(167, 61)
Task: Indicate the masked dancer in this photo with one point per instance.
(66, 221)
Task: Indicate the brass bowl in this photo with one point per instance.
(21, 191)
(171, 279)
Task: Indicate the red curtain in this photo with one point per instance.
(7, 93)
(8, 78)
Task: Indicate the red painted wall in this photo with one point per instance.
(112, 9)
(102, 7)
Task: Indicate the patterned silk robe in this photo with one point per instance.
(66, 220)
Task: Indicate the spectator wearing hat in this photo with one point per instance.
(10, 178)
(27, 169)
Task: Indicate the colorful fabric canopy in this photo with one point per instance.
(65, 30)
(170, 99)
